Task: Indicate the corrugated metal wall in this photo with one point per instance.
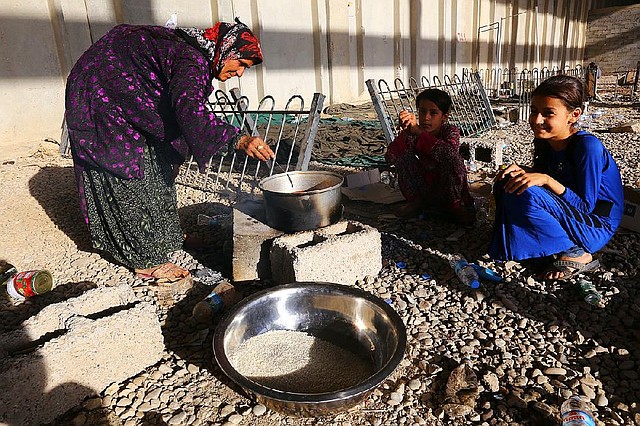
(328, 46)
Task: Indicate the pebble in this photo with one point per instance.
(492, 381)
(555, 371)
(165, 369)
(396, 397)
(601, 400)
(226, 410)
(259, 410)
(588, 391)
(178, 419)
(414, 384)
(235, 419)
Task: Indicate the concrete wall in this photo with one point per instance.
(328, 46)
(614, 38)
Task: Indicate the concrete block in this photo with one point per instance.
(89, 349)
(486, 151)
(252, 240)
(341, 253)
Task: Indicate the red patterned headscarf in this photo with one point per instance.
(225, 41)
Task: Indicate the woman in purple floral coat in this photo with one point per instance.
(135, 109)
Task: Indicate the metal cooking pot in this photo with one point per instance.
(302, 201)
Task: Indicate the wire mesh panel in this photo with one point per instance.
(290, 132)
(470, 109)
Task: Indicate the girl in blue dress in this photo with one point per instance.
(569, 203)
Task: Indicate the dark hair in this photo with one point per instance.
(564, 87)
(437, 96)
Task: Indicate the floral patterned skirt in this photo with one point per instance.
(135, 220)
(442, 184)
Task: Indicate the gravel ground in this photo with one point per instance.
(525, 345)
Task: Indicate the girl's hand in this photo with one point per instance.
(408, 122)
(255, 147)
(507, 172)
(520, 180)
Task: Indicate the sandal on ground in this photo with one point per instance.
(167, 272)
(570, 269)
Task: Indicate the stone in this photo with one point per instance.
(414, 384)
(178, 419)
(462, 386)
(492, 381)
(259, 410)
(555, 371)
(457, 410)
(601, 400)
(236, 419)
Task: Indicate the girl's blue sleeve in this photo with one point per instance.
(588, 162)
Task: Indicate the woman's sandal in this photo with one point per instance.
(167, 272)
(570, 269)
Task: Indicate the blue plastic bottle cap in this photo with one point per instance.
(401, 265)
(425, 276)
(215, 301)
(474, 284)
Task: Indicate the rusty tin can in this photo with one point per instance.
(29, 283)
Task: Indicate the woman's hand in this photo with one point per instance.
(409, 123)
(255, 147)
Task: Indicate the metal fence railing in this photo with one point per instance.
(290, 132)
(470, 110)
(517, 85)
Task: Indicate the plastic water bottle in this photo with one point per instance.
(223, 295)
(464, 271)
(481, 205)
(575, 412)
(486, 273)
(589, 292)
(172, 22)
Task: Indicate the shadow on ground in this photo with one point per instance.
(52, 184)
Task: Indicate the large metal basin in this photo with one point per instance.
(302, 201)
(345, 316)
